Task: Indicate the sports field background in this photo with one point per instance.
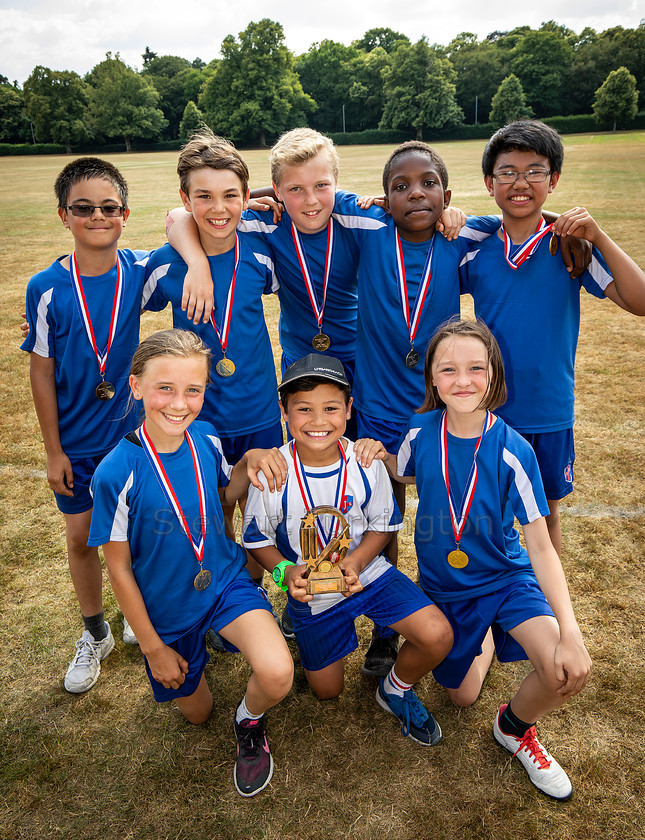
(111, 764)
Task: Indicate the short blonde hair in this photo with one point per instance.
(296, 147)
(207, 150)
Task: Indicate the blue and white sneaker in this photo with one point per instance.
(416, 721)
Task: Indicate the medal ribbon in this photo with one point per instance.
(413, 322)
(527, 249)
(459, 516)
(222, 333)
(169, 492)
(307, 498)
(306, 273)
(81, 300)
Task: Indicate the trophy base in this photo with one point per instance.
(322, 584)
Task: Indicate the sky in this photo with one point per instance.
(76, 34)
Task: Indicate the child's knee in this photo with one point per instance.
(464, 695)
(441, 636)
(276, 677)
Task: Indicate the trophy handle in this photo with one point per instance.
(308, 537)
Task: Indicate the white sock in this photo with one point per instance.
(393, 685)
(243, 713)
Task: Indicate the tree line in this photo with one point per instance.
(259, 88)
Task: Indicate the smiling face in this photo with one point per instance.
(317, 421)
(461, 374)
(308, 192)
(216, 200)
(172, 390)
(521, 200)
(95, 232)
(415, 196)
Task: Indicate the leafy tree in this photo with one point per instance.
(168, 74)
(255, 90)
(419, 90)
(541, 61)
(509, 103)
(148, 56)
(122, 103)
(326, 74)
(190, 122)
(14, 125)
(616, 99)
(366, 92)
(198, 64)
(55, 102)
(480, 69)
(384, 37)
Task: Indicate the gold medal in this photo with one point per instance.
(321, 342)
(458, 559)
(105, 391)
(225, 367)
(553, 245)
(202, 580)
(412, 359)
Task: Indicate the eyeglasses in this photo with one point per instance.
(532, 176)
(87, 210)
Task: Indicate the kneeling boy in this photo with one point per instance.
(324, 469)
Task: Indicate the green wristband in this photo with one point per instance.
(278, 574)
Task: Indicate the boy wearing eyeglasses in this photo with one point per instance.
(83, 317)
(523, 292)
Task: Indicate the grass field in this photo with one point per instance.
(111, 764)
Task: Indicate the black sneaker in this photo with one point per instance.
(381, 655)
(286, 625)
(253, 762)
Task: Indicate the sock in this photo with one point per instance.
(510, 724)
(393, 685)
(243, 713)
(96, 625)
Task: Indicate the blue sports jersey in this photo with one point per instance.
(368, 505)
(87, 426)
(534, 313)
(130, 506)
(384, 386)
(246, 401)
(508, 486)
(298, 323)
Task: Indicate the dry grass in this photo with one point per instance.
(113, 765)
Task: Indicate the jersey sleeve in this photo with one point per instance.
(264, 256)
(261, 517)
(525, 488)
(110, 487)
(597, 276)
(38, 307)
(405, 465)
(260, 223)
(476, 229)
(382, 511)
(358, 222)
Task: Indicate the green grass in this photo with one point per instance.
(112, 764)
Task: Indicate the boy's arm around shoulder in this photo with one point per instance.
(628, 287)
(572, 662)
(197, 298)
(270, 462)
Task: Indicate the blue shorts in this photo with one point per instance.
(329, 636)
(235, 446)
(387, 432)
(555, 456)
(84, 469)
(470, 620)
(239, 597)
(350, 430)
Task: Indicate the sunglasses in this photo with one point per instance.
(87, 210)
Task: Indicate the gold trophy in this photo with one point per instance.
(323, 573)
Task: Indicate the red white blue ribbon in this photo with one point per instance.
(77, 286)
(318, 310)
(307, 497)
(169, 492)
(527, 249)
(413, 321)
(459, 514)
(222, 332)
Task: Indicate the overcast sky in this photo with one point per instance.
(76, 34)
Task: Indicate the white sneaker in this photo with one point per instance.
(128, 636)
(543, 770)
(84, 669)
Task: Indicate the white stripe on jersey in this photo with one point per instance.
(41, 345)
(360, 222)
(263, 259)
(119, 532)
(153, 281)
(469, 256)
(523, 485)
(474, 235)
(405, 451)
(603, 278)
(255, 226)
(227, 469)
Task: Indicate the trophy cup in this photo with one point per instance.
(323, 574)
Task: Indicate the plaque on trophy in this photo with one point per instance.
(323, 572)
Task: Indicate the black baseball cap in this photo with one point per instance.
(320, 367)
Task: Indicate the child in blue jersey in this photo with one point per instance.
(158, 516)
(530, 302)
(83, 327)
(241, 401)
(324, 468)
(474, 474)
